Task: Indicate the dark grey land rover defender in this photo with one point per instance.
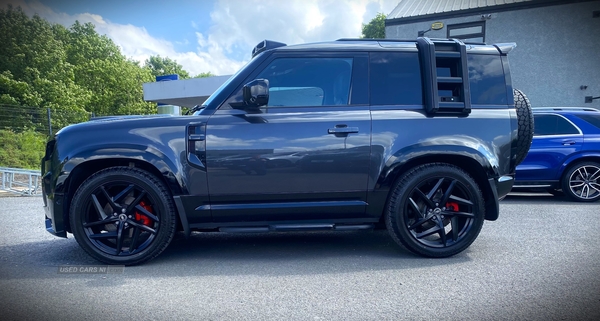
(420, 136)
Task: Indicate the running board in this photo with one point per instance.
(532, 186)
(296, 227)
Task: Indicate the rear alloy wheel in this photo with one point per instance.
(123, 215)
(435, 210)
(582, 182)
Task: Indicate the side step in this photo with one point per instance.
(296, 227)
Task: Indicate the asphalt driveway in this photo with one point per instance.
(539, 261)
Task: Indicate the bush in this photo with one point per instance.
(22, 149)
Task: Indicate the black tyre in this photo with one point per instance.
(123, 216)
(525, 131)
(581, 182)
(435, 210)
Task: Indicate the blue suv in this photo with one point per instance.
(564, 154)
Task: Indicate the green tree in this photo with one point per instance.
(204, 75)
(160, 66)
(71, 71)
(33, 67)
(375, 29)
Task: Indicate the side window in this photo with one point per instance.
(470, 31)
(308, 81)
(552, 125)
(592, 119)
(395, 78)
(486, 79)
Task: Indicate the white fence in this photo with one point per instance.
(21, 181)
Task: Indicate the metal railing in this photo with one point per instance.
(21, 181)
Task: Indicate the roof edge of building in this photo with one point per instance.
(482, 10)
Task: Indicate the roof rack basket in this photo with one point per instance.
(445, 75)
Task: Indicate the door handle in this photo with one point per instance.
(342, 130)
(568, 142)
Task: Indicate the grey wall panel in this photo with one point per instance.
(558, 49)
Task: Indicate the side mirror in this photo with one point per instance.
(256, 93)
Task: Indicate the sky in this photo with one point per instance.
(214, 36)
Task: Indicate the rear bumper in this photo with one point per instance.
(503, 185)
(499, 187)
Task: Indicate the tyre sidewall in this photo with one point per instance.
(566, 188)
(396, 218)
(163, 204)
(525, 122)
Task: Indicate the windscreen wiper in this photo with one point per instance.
(195, 109)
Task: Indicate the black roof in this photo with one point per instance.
(348, 44)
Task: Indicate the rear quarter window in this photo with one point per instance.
(486, 78)
(545, 125)
(592, 119)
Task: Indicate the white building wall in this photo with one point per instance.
(558, 49)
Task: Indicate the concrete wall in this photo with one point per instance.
(558, 49)
(185, 93)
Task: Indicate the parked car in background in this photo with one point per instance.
(565, 154)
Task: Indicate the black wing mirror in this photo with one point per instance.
(256, 93)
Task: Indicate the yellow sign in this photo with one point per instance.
(437, 25)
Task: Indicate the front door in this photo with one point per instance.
(305, 155)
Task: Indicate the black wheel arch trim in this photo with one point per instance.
(155, 162)
(404, 159)
(460, 156)
(167, 165)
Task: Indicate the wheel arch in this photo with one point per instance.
(576, 159)
(79, 172)
(479, 169)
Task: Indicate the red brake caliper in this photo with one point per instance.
(452, 206)
(143, 218)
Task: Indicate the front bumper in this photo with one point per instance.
(53, 201)
(53, 207)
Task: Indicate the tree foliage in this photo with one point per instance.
(73, 71)
(160, 66)
(375, 29)
(22, 149)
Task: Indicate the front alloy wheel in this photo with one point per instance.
(122, 216)
(435, 210)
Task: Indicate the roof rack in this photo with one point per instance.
(565, 108)
(403, 40)
(375, 39)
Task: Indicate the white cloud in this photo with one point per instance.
(236, 27)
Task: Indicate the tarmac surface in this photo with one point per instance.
(539, 261)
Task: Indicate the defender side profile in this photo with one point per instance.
(422, 136)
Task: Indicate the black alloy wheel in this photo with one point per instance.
(435, 210)
(123, 216)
